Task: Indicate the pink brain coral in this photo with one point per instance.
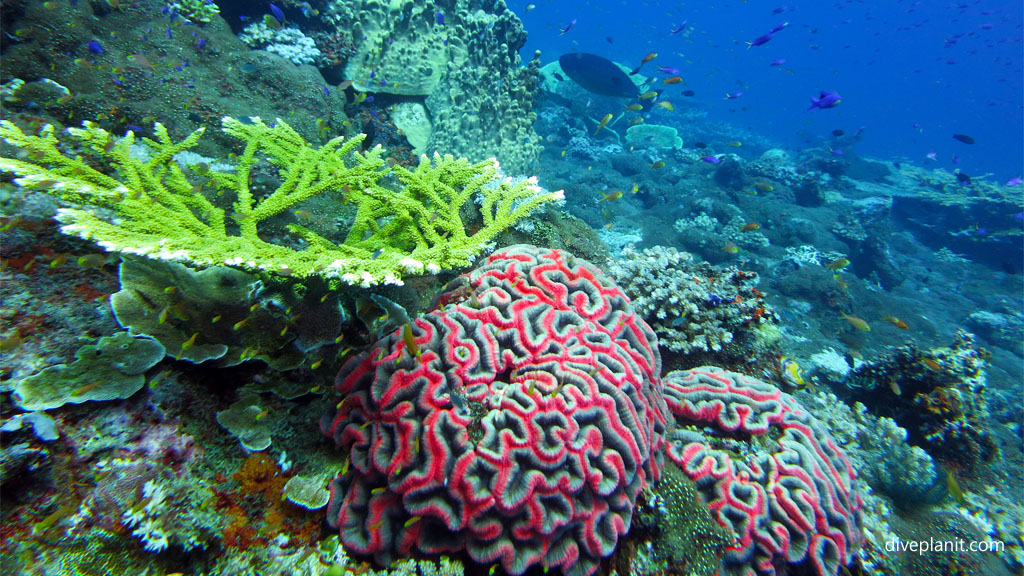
(769, 471)
(522, 432)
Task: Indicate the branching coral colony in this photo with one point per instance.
(149, 207)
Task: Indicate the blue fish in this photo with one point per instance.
(827, 99)
(277, 13)
(440, 18)
(95, 47)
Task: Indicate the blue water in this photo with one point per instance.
(911, 73)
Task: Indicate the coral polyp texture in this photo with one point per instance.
(460, 59)
(693, 306)
(769, 471)
(153, 209)
(519, 421)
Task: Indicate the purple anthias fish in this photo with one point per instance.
(568, 27)
(826, 99)
(733, 95)
(678, 29)
(711, 159)
(1014, 182)
(778, 62)
(95, 47)
(440, 18)
(668, 70)
(779, 27)
(760, 40)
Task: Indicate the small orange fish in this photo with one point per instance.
(896, 322)
(931, 363)
(895, 387)
(673, 80)
(666, 105)
(649, 57)
(857, 323)
(750, 227)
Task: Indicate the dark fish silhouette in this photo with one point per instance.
(598, 75)
(963, 138)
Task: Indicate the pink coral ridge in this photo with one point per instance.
(792, 496)
(521, 427)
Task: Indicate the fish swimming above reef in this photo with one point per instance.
(598, 75)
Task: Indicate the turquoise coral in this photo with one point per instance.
(152, 209)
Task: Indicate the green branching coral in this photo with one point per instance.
(149, 206)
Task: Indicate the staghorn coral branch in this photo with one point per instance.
(157, 212)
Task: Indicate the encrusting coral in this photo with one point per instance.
(152, 209)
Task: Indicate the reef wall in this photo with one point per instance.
(458, 57)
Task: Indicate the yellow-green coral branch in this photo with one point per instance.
(159, 213)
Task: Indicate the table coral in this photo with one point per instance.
(769, 471)
(159, 213)
(518, 421)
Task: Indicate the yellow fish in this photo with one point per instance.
(611, 197)
(648, 95)
(734, 144)
(410, 341)
(857, 323)
(791, 371)
(604, 122)
(764, 185)
(666, 105)
(838, 264)
(635, 107)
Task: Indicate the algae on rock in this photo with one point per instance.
(462, 57)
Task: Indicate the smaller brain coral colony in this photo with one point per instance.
(768, 469)
(519, 421)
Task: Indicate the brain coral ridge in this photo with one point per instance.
(520, 424)
(769, 471)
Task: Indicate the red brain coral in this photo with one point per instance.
(522, 432)
(769, 471)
